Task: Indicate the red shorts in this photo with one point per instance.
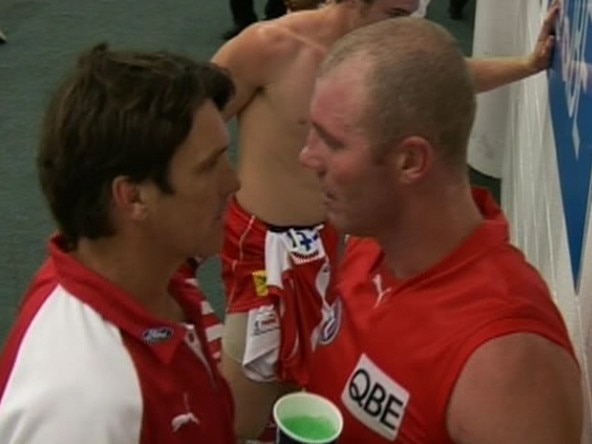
(287, 268)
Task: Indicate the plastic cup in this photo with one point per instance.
(306, 418)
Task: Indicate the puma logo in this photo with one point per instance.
(184, 418)
(381, 292)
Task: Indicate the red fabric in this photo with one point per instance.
(172, 379)
(187, 274)
(421, 331)
(298, 304)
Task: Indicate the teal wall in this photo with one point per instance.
(44, 38)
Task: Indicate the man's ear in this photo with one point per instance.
(414, 157)
(130, 197)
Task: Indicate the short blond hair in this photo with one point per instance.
(417, 82)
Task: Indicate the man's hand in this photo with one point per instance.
(540, 58)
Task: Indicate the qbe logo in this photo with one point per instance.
(375, 399)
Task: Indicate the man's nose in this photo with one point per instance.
(309, 159)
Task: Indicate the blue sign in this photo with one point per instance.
(570, 83)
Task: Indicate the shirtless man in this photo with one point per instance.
(274, 64)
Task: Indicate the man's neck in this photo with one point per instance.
(435, 229)
(340, 19)
(132, 268)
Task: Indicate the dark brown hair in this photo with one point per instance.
(118, 113)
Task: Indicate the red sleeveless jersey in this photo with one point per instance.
(393, 350)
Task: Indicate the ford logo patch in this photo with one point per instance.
(158, 334)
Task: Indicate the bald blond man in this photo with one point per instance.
(279, 249)
(443, 332)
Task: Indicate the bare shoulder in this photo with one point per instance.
(270, 42)
(273, 57)
(514, 389)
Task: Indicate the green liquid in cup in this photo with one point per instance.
(309, 427)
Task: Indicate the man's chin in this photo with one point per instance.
(338, 222)
(213, 247)
(347, 227)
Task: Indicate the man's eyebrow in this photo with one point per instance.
(214, 155)
(331, 140)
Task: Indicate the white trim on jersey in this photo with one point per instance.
(72, 381)
(214, 332)
(206, 308)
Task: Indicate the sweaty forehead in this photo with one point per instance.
(341, 92)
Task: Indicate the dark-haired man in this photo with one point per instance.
(110, 343)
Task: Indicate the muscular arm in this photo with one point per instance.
(249, 58)
(517, 389)
(491, 73)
